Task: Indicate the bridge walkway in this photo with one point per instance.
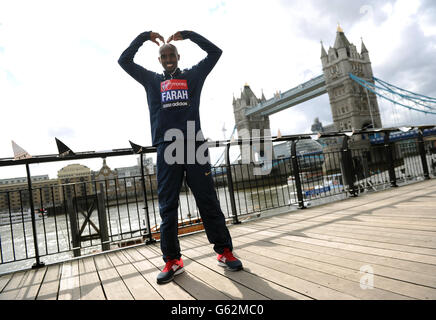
(376, 246)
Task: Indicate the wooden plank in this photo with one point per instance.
(197, 288)
(413, 277)
(353, 220)
(12, 288)
(358, 256)
(263, 286)
(31, 285)
(169, 291)
(361, 232)
(217, 280)
(368, 216)
(302, 286)
(364, 234)
(358, 215)
(90, 286)
(369, 250)
(137, 284)
(267, 258)
(4, 279)
(113, 286)
(69, 287)
(350, 238)
(50, 284)
(388, 285)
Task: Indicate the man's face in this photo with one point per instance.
(169, 57)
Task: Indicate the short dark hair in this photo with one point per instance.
(168, 45)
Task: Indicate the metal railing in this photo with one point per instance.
(59, 221)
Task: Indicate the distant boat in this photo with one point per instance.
(330, 183)
(7, 218)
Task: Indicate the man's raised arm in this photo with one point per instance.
(139, 73)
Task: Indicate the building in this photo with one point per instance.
(14, 195)
(75, 180)
(250, 126)
(352, 106)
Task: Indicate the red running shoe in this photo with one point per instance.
(228, 260)
(172, 268)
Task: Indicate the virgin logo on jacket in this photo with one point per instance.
(174, 93)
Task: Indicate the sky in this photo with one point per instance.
(59, 75)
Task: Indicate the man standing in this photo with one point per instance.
(173, 100)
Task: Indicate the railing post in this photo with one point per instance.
(74, 226)
(102, 219)
(144, 190)
(38, 263)
(296, 173)
(390, 159)
(230, 186)
(421, 149)
(347, 163)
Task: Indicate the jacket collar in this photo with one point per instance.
(168, 75)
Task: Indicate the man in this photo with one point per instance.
(173, 100)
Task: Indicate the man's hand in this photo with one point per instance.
(154, 36)
(175, 37)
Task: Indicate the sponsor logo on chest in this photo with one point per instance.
(174, 93)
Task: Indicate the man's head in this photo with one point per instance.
(169, 57)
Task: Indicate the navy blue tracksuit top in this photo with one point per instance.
(172, 101)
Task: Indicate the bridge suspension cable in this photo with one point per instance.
(221, 158)
(398, 96)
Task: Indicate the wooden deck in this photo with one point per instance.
(317, 253)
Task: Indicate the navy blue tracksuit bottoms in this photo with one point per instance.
(200, 181)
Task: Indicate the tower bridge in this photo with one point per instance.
(281, 101)
(352, 105)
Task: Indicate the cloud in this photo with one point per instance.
(61, 132)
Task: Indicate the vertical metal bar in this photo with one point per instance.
(120, 231)
(23, 223)
(263, 186)
(224, 190)
(127, 205)
(296, 172)
(230, 186)
(275, 178)
(88, 214)
(43, 219)
(136, 203)
(38, 263)
(65, 197)
(347, 163)
(150, 238)
(237, 192)
(251, 191)
(421, 149)
(55, 219)
(388, 148)
(71, 209)
(12, 229)
(287, 174)
(243, 187)
(108, 207)
(152, 198)
(102, 219)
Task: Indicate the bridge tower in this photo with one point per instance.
(351, 105)
(249, 124)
